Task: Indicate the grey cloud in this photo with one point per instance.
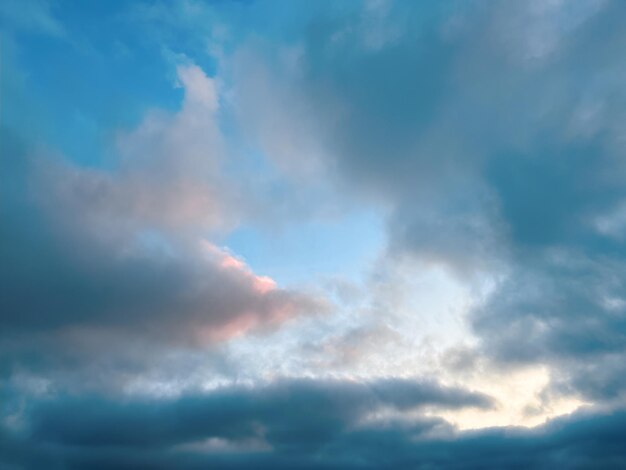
(564, 309)
(478, 147)
(69, 295)
(296, 418)
(305, 424)
(287, 413)
(495, 142)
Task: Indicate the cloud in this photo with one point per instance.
(292, 417)
(418, 122)
(493, 143)
(291, 413)
(299, 423)
(168, 175)
(565, 310)
(488, 135)
(98, 261)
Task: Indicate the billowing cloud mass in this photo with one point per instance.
(100, 257)
(373, 234)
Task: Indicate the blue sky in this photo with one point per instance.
(293, 234)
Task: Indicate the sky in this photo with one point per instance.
(312, 234)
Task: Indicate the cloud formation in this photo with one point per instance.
(96, 257)
(494, 143)
(487, 136)
(306, 424)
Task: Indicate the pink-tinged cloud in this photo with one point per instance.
(270, 305)
(127, 247)
(168, 174)
(261, 284)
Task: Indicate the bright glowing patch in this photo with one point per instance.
(520, 400)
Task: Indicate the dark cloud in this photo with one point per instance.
(289, 414)
(477, 139)
(71, 295)
(374, 109)
(290, 418)
(299, 424)
(567, 310)
(490, 131)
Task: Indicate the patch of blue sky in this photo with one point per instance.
(98, 75)
(342, 247)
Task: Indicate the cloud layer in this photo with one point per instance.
(487, 136)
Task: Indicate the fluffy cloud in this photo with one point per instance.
(97, 261)
(494, 143)
(168, 175)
